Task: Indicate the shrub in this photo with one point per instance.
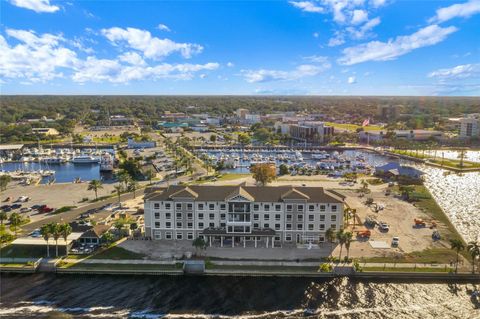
(325, 267)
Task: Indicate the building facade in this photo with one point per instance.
(243, 215)
(469, 127)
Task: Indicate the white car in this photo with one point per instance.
(36, 233)
(23, 199)
(395, 241)
(384, 227)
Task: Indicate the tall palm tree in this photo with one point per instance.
(457, 245)
(330, 234)
(46, 232)
(15, 221)
(132, 186)
(473, 248)
(66, 230)
(95, 185)
(341, 240)
(123, 177)
(56, 234)
(119, 188)
(149, 175)
(348, 240)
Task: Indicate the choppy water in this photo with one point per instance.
(64, 173)
(35, 296)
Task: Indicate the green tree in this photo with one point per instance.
(46, 232)
(406, 191)
(15, 220)
(283, 169)
(457, 245)
(95, 185)
(149, 174)
(132, 187)
(213, 138)
(348, 240)
(244, 138)
(65, 230)
(118, 189)
(56, 234)
(263, 173)
(3, 217)
(331, 236)
(4, 180)
(341, 240)
(199, 244)
(473, 249)
(108, 238)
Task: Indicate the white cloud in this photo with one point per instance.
(163, 27)
(317, 59)
(458, 72)
(460, 10)
(378, 3)
(264, 75)
(230, 64)
(307, 6)
(316, 34)
(337, 40)
(364, 30)
(351, 80)
(359, 16)
(36, 5)
(132, 58)
(393, 48)
(152, 47)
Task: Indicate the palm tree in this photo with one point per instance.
(132, 186)
(15, 221)
(149, 175)
(348, 240)
(473, 248)
(123, 177)
(56, 234)
(3, 217)
(341, 240)
(119, 188)
(95, 185)
(330, 234)
(46, 231)
(66, 230)
(457, 245)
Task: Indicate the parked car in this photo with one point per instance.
(35, 207)
(23, 199)
(395, 241)
(16, 206)
(36, 233)
(8, 199)
(25, 210)
(384, 227)
(4, 207)
(45, 209)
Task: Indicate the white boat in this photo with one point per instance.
(106, 163)
(85, 159)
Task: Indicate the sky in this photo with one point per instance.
(318, 47)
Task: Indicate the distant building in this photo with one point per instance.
(47, 131)
(469, 127)
(394, 169)
(415, 135)
(242, 113)
(120, 120)
(388, 112)
(310, 131)
(140, 144)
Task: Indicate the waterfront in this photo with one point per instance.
(35, 296)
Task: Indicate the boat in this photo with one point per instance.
(106, 163)
(85, 159)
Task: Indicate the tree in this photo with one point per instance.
(95, 185)
(213, 138)
(406, 191)
(149, 175)
(330, 234)
(108, 238)
(66, 230)
(262, 135)
(123, 177)
(283, 169)
(133, 226)
(473, 249)
(132, 187)
(3, 217)
(46, 232)
(263, 173)
(4, 180)
(348, 240)
(199, 244)
(341, 240)
(15, 220)
(457, 245)
(56, 234)
(243, 138)
(118, 189)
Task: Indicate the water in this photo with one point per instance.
(34, 296)
(64, 173)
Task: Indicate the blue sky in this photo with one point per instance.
(318, 47)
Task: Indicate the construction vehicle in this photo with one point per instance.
(419, 223)
(436, 235)
(365, 233)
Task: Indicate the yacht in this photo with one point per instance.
(106, 163)
(85, 159)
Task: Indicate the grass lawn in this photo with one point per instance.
(20, 251)
(263, 268)
(230, 177)
(407, 269)
(81, 265)
(429, 256)
(454, 163)
(17, 265)
(116, 252)
(354, 127)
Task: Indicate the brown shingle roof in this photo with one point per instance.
(96, 231)
(258, 193)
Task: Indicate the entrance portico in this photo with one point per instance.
(256, 238)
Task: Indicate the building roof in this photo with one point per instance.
(254, 193)
(10, 147)
(397, 169)
(96, 231)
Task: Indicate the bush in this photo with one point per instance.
(356, 266)
(64, 209)
(325, 267)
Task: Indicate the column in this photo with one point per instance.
(221, 241)
(210, 240)
(267, 241)
(233, 241)
(255, 241)
(273, 242)
(244, 242)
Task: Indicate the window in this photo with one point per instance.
(266, 225)
(333, 227)
(157, 224)
(223, 206)
(278, 207)
(266, 207)
(255, 216)
(266, 217)
(179, 236)
(178, 206)
(157, 215)
(190, 236)
(211, 225)
(300, 208)
(310, 226)
(168, 215)
(156, 205)
(200, 225)
(322, 218)
(255, 207)
(211, 206)
(255, 225)
(322, 208)
(190, 225)
(168, 235)
(200, 216)
(158, 235)
(179, 225)
(288, 226)
(278, 216)
(222, 216)
(321, 238)
(289, 208)
(322, 227)
(300, 218)
(311, 218)
(179, 215)
(334, 208)
(311, 208)
(190, 216)
(333, 218)
(189, 206)
(223, 225)
(211, 216)
(200, 206)
(299, 226)
(288, 237)
(168, 225)
(167, 206)
(277, 226)
(277, 237)
(289, 217)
